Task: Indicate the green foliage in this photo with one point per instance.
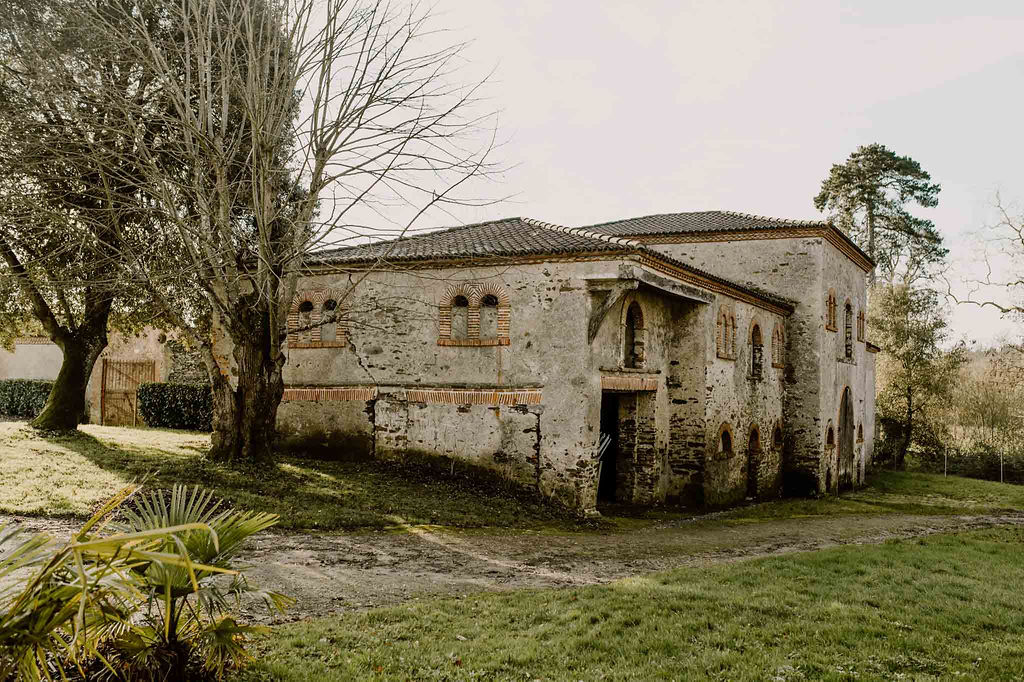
(915, 373)
(184, 629)
(137, 601)
(23, 397)
(867, 197)
(176, 406)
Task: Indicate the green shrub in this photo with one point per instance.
(23, 397)
(177, 406)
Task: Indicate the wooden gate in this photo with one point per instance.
(119, 402)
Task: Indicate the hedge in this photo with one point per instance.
(177, 406)
(23, 397)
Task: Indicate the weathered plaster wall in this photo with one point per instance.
(838, 372)
(392, 344)
(743, 404)
(545, 431)
(791, 268)
(34, 360)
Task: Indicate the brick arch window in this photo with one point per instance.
(848, 329)
(633, 337)
(830, 311)
(726, 334)
(328, 313)
(473, 314)
(756, 351)
(861, 325)
(315, 320)
(460, 317)
(778, 346)
(488, 316)
(725, 439)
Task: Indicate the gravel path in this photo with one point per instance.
(333, 573)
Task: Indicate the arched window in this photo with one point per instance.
(489, 317)
(860, 432)
(460, 317)
(830, 310)
(778, 346)
(305, 320)
(848, 330)
(633, 350)
(732, 335)
(830, 436)
(725, 440)
(329, 328)
(777, 438)
(756, 350)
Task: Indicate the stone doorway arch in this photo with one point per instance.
(847, 466)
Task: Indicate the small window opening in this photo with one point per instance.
(756, 353)
(460, 317)
(633, 352)
(830, 438)
(849, 331)
(860, 433)
(329, 330)
(777, 439)
(489, 317)
(726, 441)
(305, 320)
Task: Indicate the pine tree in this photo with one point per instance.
(867, 197)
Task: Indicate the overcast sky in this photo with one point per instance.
(615, 109)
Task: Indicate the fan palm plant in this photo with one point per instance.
(60, 600)
(185, 627)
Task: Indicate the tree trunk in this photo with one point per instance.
(245, 414)
(65, 406)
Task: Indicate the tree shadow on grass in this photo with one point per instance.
(319, 494)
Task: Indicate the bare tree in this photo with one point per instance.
(292, 120)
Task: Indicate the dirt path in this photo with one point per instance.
(331, 573)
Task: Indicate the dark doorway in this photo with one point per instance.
(609, 441)
(847, 473)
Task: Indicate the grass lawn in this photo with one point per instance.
(897, 492)
(941, 607)
(71, 475)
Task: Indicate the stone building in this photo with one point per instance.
(692, 358)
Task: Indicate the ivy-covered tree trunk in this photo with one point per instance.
(65, 406)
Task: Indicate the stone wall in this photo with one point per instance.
(529, 406)
(802, 269)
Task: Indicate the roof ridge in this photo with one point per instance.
(584, 232)
(770, 219)
(418, 235)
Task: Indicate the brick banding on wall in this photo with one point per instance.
(33, 341)
(331, 393)
(629, 383)
(483, 396)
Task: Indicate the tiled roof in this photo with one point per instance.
(496, 238)
(697, 221)
(509, 237)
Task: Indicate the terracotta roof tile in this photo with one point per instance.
(697, 221)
